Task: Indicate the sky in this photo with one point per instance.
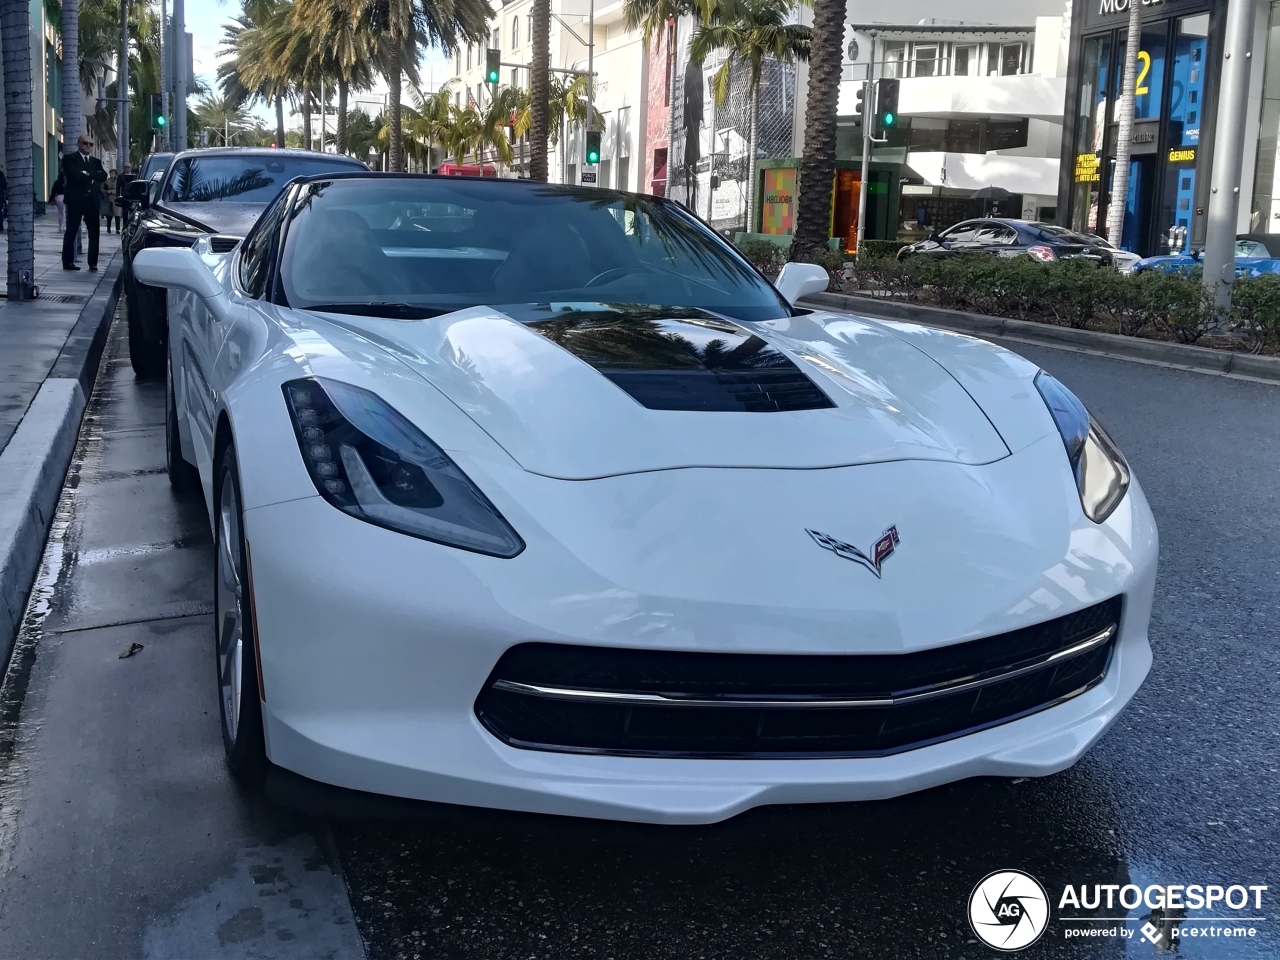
(205, 20)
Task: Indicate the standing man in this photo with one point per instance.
(85, 177)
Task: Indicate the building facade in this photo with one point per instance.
(46, 100)
(1176, 122)
(620, 92)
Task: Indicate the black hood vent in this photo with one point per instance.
(693, 362)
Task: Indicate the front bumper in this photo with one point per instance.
(374, 647)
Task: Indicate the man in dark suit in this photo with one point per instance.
(85, 177)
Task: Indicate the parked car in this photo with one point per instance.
(557, 505)
(1009, 238)
(154, 163)
(198, 192)
(1256, 254)
(1123, 260)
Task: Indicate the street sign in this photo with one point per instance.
(588, 176)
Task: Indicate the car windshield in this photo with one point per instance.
(413, 247)
(240, 179)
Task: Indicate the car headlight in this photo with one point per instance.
(367, 460)
(1102, 476)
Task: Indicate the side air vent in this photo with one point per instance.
(223, 244)
(691, 363)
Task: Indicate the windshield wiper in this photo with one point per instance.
(383, 308)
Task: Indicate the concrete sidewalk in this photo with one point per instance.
(49, 353)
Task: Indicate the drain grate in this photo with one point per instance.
(63, 298)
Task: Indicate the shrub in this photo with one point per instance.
(1257, 309)
(767, 256)
(879, 249)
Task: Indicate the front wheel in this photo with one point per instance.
(234, 640)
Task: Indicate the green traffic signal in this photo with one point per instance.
(593, 147)
(492, 63)
(161, 120)
(888, 119)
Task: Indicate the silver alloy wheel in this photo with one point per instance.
(229, 608)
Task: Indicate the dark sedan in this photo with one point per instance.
(217, 191)
(1010, 238)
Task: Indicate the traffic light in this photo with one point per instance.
(859, 104)
(593, 146)
(157, 112)
(492, 64)
(886, 115)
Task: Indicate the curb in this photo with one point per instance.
(1227, 363)
(35, 461)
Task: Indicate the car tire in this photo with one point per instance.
(183, 477)
(146, 357)
(235, 645)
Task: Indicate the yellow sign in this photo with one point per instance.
(1087, 165)
(1182, 156)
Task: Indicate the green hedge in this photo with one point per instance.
(1075, 293)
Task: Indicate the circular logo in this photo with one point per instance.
(1008, 910)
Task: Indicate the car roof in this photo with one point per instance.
(507, 182)
(271, 152)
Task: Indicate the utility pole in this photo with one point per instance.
(178, 58)
(322, 114)
(164, 71)
(122, 83)
(591, 72)
(868, 118)
(1228, 153)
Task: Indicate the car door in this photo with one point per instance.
(993, 237)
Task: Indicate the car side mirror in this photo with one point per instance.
(183, 268)
(797, 280)
(136, 191)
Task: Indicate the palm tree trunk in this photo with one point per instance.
(280, 141)
(818, 163)
(539, 87)
(71, 119)
(14, 26)
(1118, 197)
(306, 119)
(394, 69)
(751, 159)
(344, 88)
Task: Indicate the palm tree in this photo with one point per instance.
(539, 87)
(226, 120)
(818, 159)
(567, 107)
(71, 120)
(752, 31)
(402, 27)
(434, 112)
(339, 36)
(250, 40)
(1119, 194)
(16, 43)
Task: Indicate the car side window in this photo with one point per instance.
(961, 233)
(1250, 248)
(259, 250)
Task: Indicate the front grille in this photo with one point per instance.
(660, 703)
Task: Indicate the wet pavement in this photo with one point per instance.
(122, 835)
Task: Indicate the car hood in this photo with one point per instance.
(231, 219)
(584, 394)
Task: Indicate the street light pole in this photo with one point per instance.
(122, 82)
(591, 71)
(179, 60)
(1228, 153)
(868, 110)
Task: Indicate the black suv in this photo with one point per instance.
(217, 191)
(1010, 238)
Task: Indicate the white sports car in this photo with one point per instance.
(541, 498)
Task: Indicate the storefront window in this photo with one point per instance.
(1090, 130)
(1265, 216)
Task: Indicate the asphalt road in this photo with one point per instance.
(121, 835)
